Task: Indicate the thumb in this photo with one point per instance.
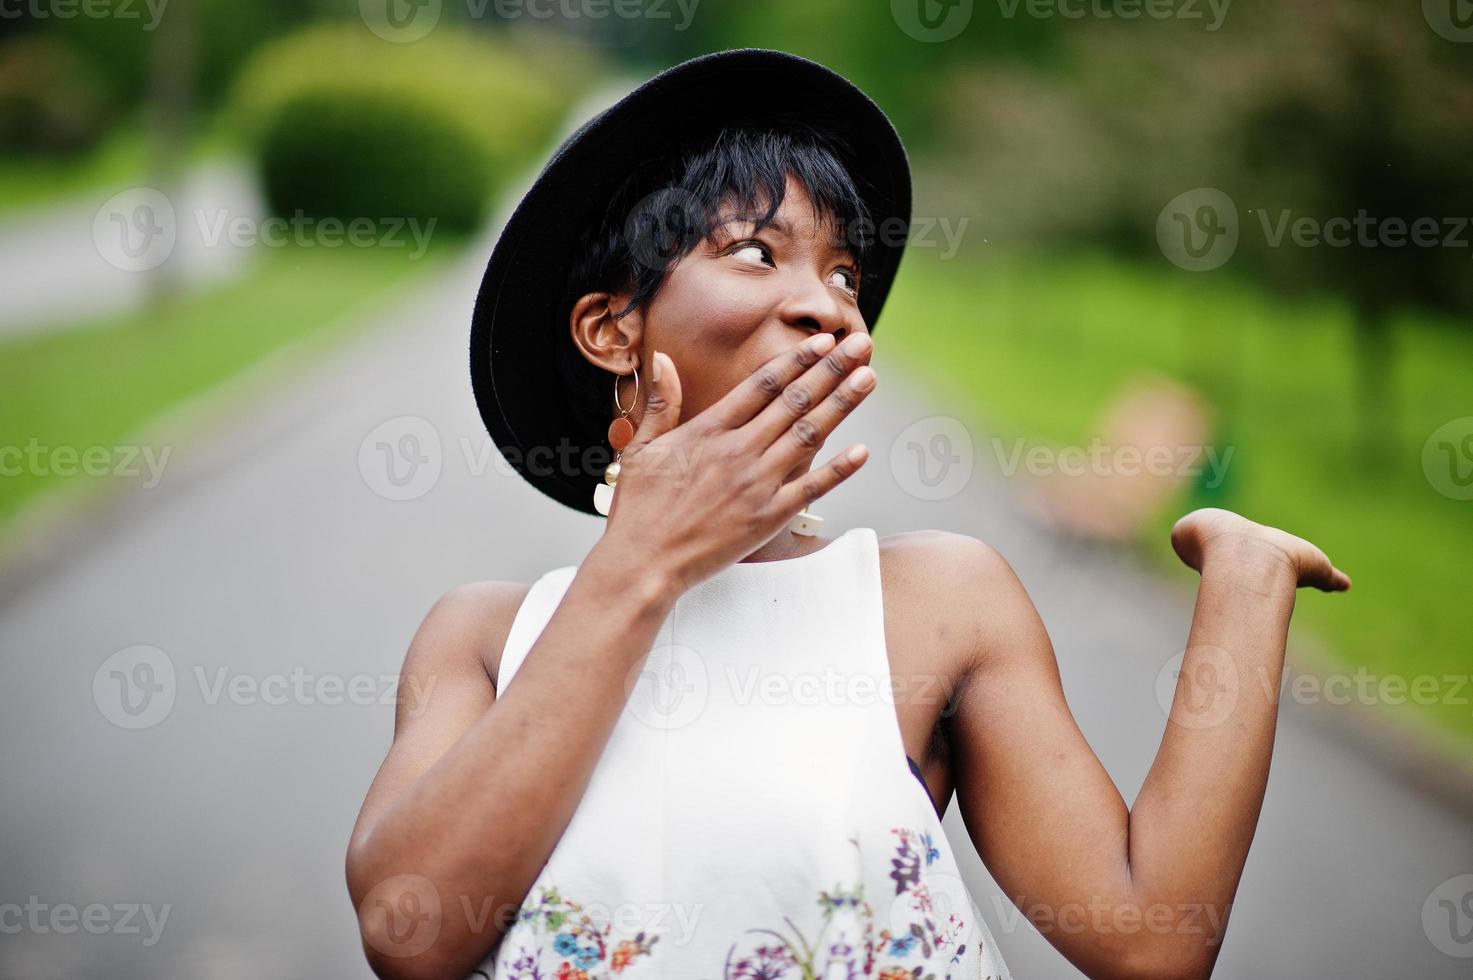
(661, 403)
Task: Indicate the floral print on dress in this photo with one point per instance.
(847, 947)
(581, 945)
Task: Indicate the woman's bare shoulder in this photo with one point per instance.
(933, 557)
(478, 616)
(960, 585)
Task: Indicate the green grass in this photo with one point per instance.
(121, 159)
(98, 384)
(1034, 346)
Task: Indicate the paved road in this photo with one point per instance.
(83, 258)
(209, 840)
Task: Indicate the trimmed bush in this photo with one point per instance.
(346, 125)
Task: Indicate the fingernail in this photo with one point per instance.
(856, 344)
(821, 343)
(655, 368)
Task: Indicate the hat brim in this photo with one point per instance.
(516, 324)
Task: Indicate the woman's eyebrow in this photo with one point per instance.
(838, 244)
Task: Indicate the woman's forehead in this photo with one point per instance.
(798, 217)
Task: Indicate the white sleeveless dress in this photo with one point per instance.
(754, 815)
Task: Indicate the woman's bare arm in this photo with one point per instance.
(470, 802)
(1136, 892)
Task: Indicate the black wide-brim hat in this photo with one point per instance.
(517, 324)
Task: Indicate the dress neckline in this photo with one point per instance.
(796, 560)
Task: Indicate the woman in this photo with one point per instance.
(700, 771)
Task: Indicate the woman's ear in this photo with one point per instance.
(614, 345)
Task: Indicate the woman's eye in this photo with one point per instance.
(750, 252)
(844, 279)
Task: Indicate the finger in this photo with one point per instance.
(1323, 575)
(803, 490)
(805, 437)
(739, 405)
(801, 396)
(661, 404)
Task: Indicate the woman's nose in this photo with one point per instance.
(813, 306)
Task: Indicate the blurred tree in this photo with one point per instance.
(1371, 128)
(122, 44)
(865, 42)
(1295, 109)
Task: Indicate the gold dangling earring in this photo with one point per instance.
(805, 523)
(621, 430)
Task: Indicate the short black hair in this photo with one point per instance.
(660, 213)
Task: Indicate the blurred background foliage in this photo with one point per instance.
(1057, 140)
